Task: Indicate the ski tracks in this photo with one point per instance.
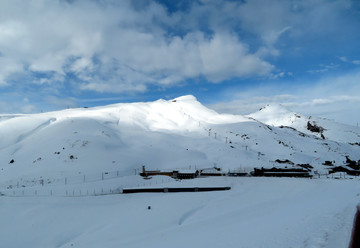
(189, 214)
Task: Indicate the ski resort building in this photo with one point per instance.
(281, 172)
(177, 174)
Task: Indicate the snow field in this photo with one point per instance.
(256, 212)
(61, 172)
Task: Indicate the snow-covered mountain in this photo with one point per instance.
(179, 133)
(55, 165)
(279, 116)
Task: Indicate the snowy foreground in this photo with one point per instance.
(256, 212)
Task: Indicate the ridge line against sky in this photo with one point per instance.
(234, 56)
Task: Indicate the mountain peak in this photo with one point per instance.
(186, 98)
(274, 108)
(276, 115)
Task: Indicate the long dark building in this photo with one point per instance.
(280, 172)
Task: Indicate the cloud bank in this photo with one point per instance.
(336, 97)
(112, 46)
(127, 46)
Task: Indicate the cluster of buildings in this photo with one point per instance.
(182, 174)
(215, 172)
(299, 170)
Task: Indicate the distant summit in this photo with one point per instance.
(276, 115)
(186, 98)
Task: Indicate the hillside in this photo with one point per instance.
(62, 172)
(277, 115)
(179, 133)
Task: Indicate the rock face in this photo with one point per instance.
(352, 163)
(314, 128)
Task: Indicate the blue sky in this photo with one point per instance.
(234, 56)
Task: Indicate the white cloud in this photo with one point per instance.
(17, 107)
(27, 109)
(330, 97)
(343, 59)
(7, 68)
(324, 68)
(111, 46)
(224, 55)
(90, 38)
(61, 102)
(346, 60)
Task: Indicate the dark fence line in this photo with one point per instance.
(78, 179)
(60, 193)
(173, 190)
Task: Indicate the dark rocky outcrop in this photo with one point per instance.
(328, 163)
(314, 128)
(352, 163)
(286, 161)
(305, 166)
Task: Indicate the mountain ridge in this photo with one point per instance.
(175, 133)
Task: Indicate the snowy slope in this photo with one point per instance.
(277, 115)
(117, 137)
(56, 167)
(179, 133)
